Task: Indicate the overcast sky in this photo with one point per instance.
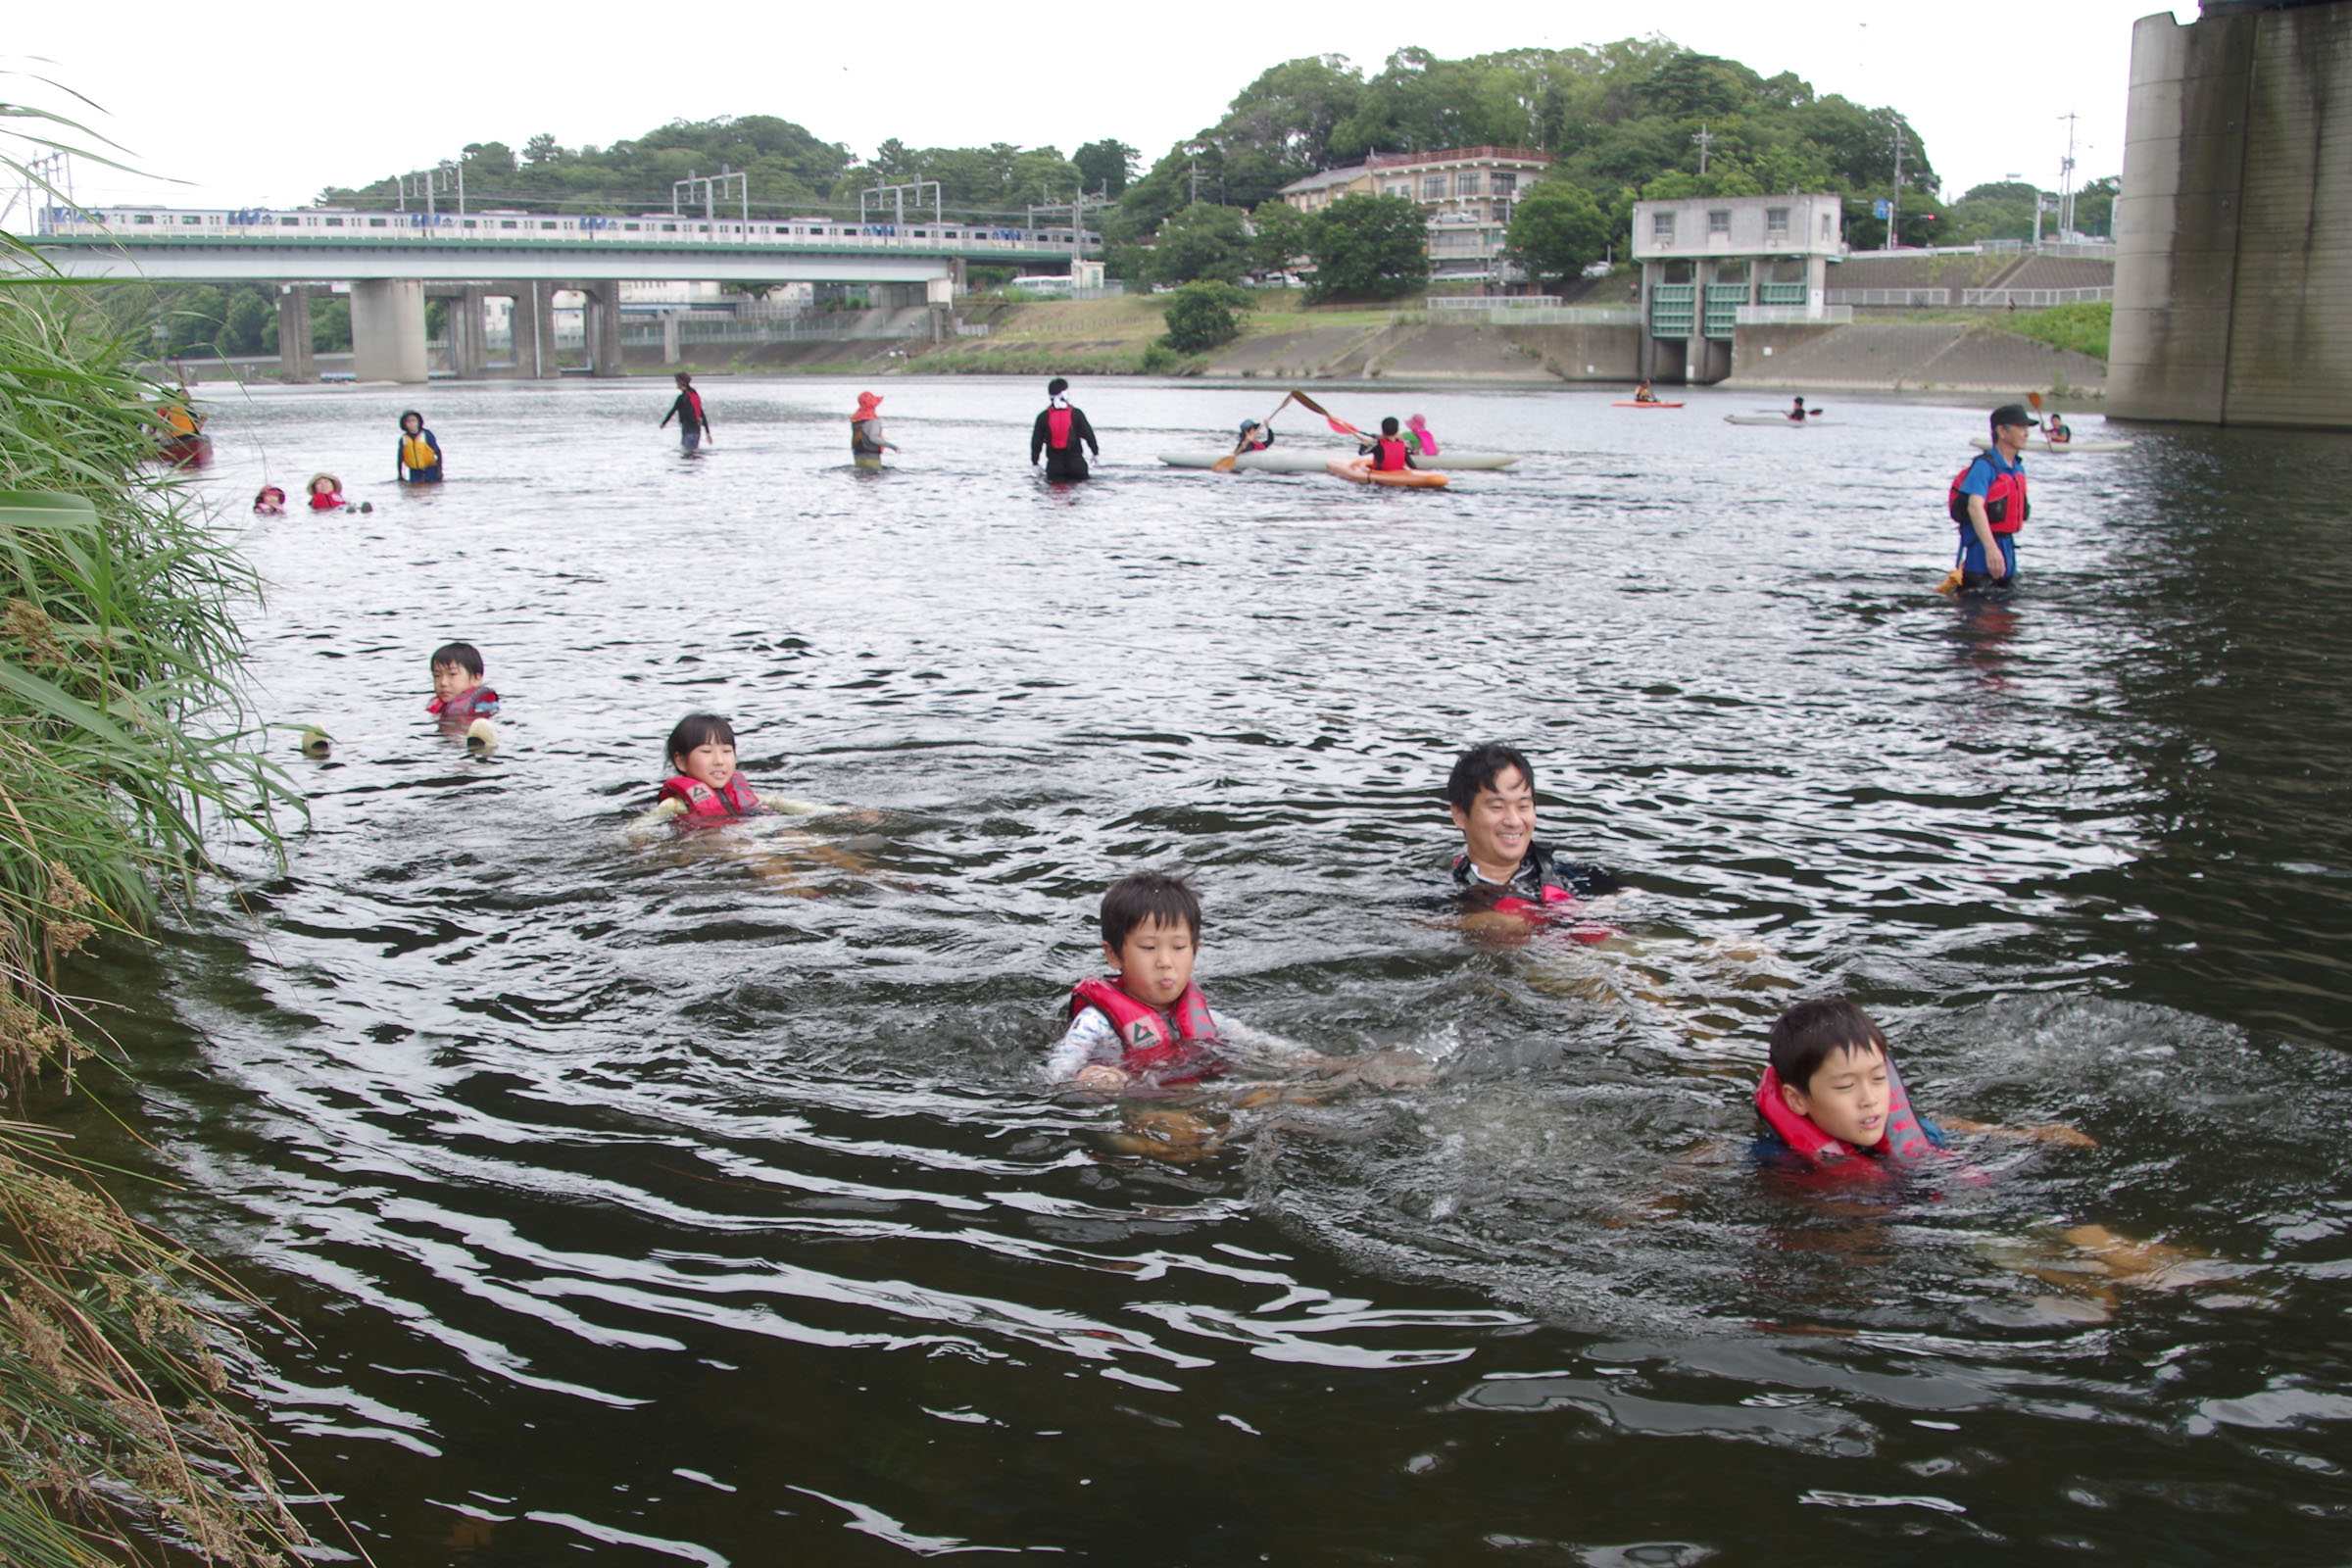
(263, 103)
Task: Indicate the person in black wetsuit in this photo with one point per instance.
(694, 425)
(1504, 867)
(1058, 433)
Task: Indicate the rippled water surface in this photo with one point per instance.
(698, 1201)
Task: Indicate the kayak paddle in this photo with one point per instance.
(1339, 424)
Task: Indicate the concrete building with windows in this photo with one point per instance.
(1706, 259)
(1469, 194)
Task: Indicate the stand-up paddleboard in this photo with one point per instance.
(1305, 460)
(1637, 402)
(1768, 419)
(2058, 449)
(1362, 471)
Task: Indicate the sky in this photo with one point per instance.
(262, 103)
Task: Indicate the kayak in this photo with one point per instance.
(1361, 472)
(190, 450)
(2058, 449)
(1637, 402)
(1768, 419)
(1305, 460)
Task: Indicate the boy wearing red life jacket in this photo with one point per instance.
(1147, 1023)
(1505, 878)
(1831, 1097)
(459, 694)
(1389, 451)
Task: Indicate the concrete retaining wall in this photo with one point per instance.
(2233, 275)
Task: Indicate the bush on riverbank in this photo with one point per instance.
(2084, 328)
(119, 747)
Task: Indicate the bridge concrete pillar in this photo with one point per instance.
(599, 317)
(295, 362)
(670, 354)
(468, 337)
(534, 320)
(387, 330)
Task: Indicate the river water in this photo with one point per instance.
(697, 1201)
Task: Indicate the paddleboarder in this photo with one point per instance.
(1059, 430)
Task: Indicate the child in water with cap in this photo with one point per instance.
(867, 443)
(416, 460)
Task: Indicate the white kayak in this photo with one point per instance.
(2058, 449)
(1769, 418)
(1311, 459)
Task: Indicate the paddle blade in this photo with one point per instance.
(1224, 464)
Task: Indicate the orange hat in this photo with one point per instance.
(867, 402)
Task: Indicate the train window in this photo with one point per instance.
(334, 223)
(468, 223)
(547, 222)
(289, 222)
(505, 222)
(670, 228)
(629, 228)
(377, 222)
(143, 218)
(191, 217)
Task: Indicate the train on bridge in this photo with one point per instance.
(664, 228)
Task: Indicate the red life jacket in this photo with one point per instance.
(475, 702)
(1904, 1143)
(1561, 905)
(325, 503)
(1187, 1057)
(2005, 487)
(1058, 428)
(738, 799)
(1389, 454)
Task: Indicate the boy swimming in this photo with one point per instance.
(459, 695)
(1146, 1022)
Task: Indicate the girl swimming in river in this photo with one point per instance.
(269, 502)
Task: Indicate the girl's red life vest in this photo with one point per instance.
(1905, 1141)
(1176, 1047)
(325, 503)
(2007, 485)
(1389, 454)
(736, 799)
(1058, 428)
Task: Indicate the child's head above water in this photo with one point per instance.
(1831, 1062)
(325, 484)
(457, 670)
(1152, 931)
(269, 498)
(703, 748)
(411, 430)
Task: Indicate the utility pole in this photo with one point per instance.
(1895, 204)
(711, 187)
(1196, 168)
(2066, 179)
(1705, 139)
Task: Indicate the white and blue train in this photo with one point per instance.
(665, 228)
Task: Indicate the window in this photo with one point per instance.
(505, 222)
(1776, 224)
(1506, 185)
(376, 222)
(547, 222)
(670, 228)
(629, 228)
(334, 223)
(289, 222)
(1824, 227)
(1719, 221)
(191, 217)
(467, 223)
(143, 218)
(1465, 184)
(1502, 212)
(1432, 188)
(1398, 187)
(1661, 228)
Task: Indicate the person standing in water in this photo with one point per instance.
(687, 408)
(417, 458)
(866, 444)
(1058, 430)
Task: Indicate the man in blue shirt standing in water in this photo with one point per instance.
(1993, 494)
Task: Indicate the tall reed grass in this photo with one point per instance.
(123, 741)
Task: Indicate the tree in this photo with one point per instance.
(1558, 231)
(493, 158)
(1202, 315)
(1369, 248)
(540, 149)
(1105, 165)
(1202, 242)
(1282, 238)
(251, 324)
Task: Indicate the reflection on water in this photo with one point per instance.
(697, 1199)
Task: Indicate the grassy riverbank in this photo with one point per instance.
(120, 749)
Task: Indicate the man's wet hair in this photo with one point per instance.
(1152, 898)
(1812, 1032)
(464, 655)
(697, 729)
(1476, 770)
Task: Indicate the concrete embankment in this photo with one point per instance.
(1971, 357)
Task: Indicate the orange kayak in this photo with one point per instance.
(1360, 471)
(1635, 403)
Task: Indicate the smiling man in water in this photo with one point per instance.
(1504, 867)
